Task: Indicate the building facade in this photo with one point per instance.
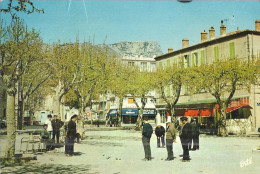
(242, 44)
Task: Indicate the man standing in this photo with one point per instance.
(170, 138)
(160, 133)
(185, 137)
(56, 125)
(195, 135)
(48, 122)
(71, 135)
(147, 133)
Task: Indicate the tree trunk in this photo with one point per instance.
(222, 131)
(120, 111)
(140, 113)
(80, 121)
(11, 125)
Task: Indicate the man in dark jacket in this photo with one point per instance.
(146, 136)
(195, 135)
(71, 135)
(160, 133)
(170, 138)
(185, 137)
(56, 125)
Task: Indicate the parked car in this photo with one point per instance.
(2, 123)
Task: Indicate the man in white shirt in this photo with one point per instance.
(48, 122)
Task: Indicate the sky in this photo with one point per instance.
(166, 22)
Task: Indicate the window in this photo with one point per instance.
(186, 61)
(216, 54)
(160, 66)
(202, 57)
(195, 61)
(144, 66)
(153, 67)
(186, 90)
(231, 50)
(131, 63)
(168, 63)
(130, 100)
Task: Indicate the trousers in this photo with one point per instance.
(147, 148)
(169, 148)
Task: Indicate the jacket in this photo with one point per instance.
(44, 134)
(147, 130)
(57, 124)
(72, 131)
(186, 132)
(48, 122)
(195, 129)
(159, 131)
(171, 133)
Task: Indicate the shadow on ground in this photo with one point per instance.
(48, 168)
(98, 143)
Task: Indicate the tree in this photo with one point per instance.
(95, 72)
(221, 80)
(170, 81)
(118, 84)
(19, 53)
(140, 84)
(26, 6)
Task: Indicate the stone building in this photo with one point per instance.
(243, 44)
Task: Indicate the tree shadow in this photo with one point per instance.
(49, 168)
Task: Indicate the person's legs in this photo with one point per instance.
(169, 149)
(158, 142)
(147, 149)
(163, 142)
(58, 136)
(186, 155)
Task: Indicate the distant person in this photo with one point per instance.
(48, 122)
(45, 137)
(56, 125)
(146, 136)
(185, 137)
(195, 135)
(160, 133)
(71, 135)
(170, 138)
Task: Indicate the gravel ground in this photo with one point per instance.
(121, 151)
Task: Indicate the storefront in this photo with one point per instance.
(149, 113)
(112, 114)
(129, 115)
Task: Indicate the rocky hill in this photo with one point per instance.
(147, 49)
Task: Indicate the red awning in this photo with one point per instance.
(195, 112)
(230, 109)
(206, 112)
(191, 112)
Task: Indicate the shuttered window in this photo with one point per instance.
(232, 50)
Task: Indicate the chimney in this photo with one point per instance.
(222, 29)
(257, 25)
(185, 43)
(204, 36)
(211, 33)
(170, 50)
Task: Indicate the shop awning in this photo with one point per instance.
(149, 112)
(130, 112)
(206, 113)
(195, 112)
(230, 109)
(112, 112)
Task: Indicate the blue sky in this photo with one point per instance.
(166, 22)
